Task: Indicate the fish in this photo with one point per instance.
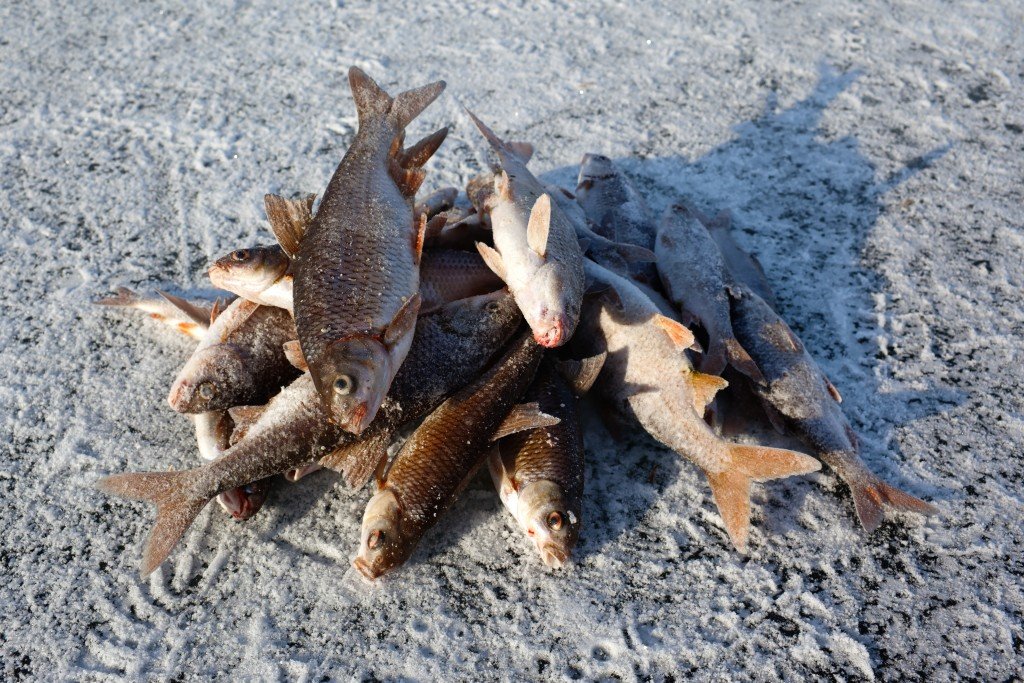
(615, 256)
(435, 463)
(743, 266)
(797, 393)
(214, 432)
(535, 250)
(159, 308)
(617, 209)
(356, 268)
(240, 361)
(261, 274)
(294, 430)
(437, 202)
(446, 275)
(697, 281)
(539, 473)
(648, 377)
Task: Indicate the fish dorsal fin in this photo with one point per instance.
(539, 227)
(523, 150)
(293, 352)
(199, 316)
(420, 153)
(289, 219)
(522, 417)
(581, 374)
(371, 100)
(403, 322)
(676, 331)
(244, 418)
(493, 260)
(704, 389)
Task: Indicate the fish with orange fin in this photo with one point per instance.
(442, 454)
(293, 429)
(192, 324)
(446, 275)
(696, 279)
(356, 267)
(797, 393)
(648, 376)
(535, 250)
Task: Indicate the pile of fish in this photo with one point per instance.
(477, 321)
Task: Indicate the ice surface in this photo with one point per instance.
(872, 158)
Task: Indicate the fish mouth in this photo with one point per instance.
(554, 335)
(364, 568)
(553, 556)
(178, 397)
(358, 421)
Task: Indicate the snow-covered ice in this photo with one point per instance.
(871, 155)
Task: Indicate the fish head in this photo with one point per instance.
(551, 521)
(245, 501)
(215, 378)
(254, 269)
(482, 317)
(352, 378)
(382, 546)
(545, 305)
(594, 168)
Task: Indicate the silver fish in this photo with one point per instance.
(648, 376)
(193, 324)
(356, 269)
(695, 278)
(797, 391)
(535, 251)
(260, 274)
(240, 360)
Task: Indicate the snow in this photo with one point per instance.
(872, 158)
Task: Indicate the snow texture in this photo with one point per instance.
(872, 157)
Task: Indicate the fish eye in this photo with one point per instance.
(493, 306)
(375, 538)
(207, 390)
(554, 520)
(240, 254)
(344, 385)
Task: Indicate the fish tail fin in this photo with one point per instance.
(411, 103)
(175, 510)
(124, 298)
(741, 360)
(372, 102)
(870, 494)
(731, 487)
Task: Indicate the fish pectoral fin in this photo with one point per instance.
(293, 352)
(522, 417)
(200, 316)
(581, 374)
(680, 335)
(403, 322)
(539, 227)
(418, 238)
(741, 360)
(523, 150)
(358, 461)
(704, 389)
(493, 260)
(289, 219)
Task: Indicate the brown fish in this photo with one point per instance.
(434, 464)
(240, 360)
(648, 376)
(696, 280)
(446, 275)
(539, 473)
(356, 269)
(797, 391)
(293, 429)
